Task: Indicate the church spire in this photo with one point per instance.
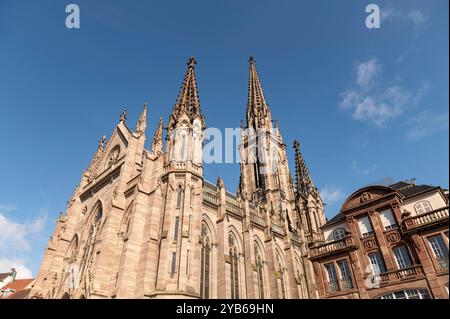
(157, 144)
(258, 112)
(142, 122)
(188, 101)
(304, 182)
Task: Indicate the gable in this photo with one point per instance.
(366, 195)
(114, 150)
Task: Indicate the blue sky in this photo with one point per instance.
(365, 103)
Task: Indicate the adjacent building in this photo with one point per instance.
(388, 242)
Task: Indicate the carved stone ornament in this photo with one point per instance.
(365, 197)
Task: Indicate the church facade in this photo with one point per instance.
(147, 224)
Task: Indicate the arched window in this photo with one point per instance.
(407, 294)
(205, 263)
(94, 227)
(259, 271)
(276, 168)
(234, 265)
(339, 233)
(183, 147)
(281, 277)
(191, 196)
(422, 207)
(179, 193)
(113, 156)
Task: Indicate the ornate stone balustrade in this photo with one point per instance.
(423, 220)
(333, 247)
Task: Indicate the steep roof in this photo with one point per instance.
(18, 287)
(409, 190)
(22, 294)
(18, 284)
(5, 275)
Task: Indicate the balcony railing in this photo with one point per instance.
(422, 220)
(315, 237)
(396, 276)
(333, 247)
(442, 264)
(209, 197)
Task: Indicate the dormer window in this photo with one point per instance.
(423, 207)
(339, 234)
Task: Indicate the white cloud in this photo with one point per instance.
(331, 194)
(23, 272)
(363, 170)
(416, 17)
(366, 72)
(377, 105)
(14, 236)
(427, 123)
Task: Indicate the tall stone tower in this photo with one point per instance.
(177, 273)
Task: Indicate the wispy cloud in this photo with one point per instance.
(366, 72)
(359, 170)
(15, 236)
(427, 123)
(367, 101)
(23, 272)
(416, 17)
(332, 194)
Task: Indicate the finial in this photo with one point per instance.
(142, 122)
(123, 116)
(102, 141)
(251, 59)
(296, 145)
(191, 62)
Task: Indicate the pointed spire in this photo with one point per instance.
(304, 182)
(142, 122)
(258, 113)
(157, 144)
(188, 100)
(97, 156)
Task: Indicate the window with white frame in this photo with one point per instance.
(440, 251)
(345, 274)
(387, 219)
(377, 263)
(332, 277)
(365, 226)
(407, 294)
(402, 257)
(423, 207)
(339, 233)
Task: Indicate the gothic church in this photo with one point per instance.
(147, 224)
